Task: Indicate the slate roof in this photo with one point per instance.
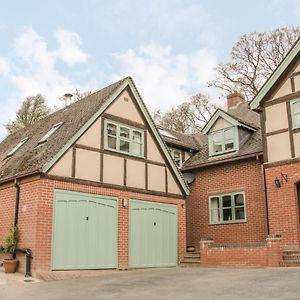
(181, 140)
(31, 157)
(253, 145)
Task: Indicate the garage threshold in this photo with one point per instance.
(74, 274)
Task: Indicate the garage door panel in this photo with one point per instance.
(84, 231)
(152, 234)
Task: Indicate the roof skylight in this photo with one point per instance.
(167, 134)
(49, 133)
(22, 142)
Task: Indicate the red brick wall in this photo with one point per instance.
(244, 176)
(269, 254)
(283, 204)
(35, 218)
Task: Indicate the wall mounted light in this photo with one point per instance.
(279, 182)
(124, 202)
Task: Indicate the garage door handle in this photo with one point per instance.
(87, 218)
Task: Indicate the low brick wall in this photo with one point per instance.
(266, 254)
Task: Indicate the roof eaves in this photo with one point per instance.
(222, 161)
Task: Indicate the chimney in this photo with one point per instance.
(234, 99)
(68, 98)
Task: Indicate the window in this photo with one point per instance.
(227, 208)
(22, 142)
(177, 156)
(49, 133)
(124, 139)
(223, 141)
(295, 109)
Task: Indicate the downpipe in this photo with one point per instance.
(25, 251)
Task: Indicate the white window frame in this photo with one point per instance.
(233, 221)
(22, 142)
(293, 102)
(172, 152)
(119, 138)
(49, 133)
(211, 141)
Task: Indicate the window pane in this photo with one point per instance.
(218, 136)
(240, 213)
(137, 137)
(217, 147)
(111, 129)
(226, 201)
(176, 154)
(124, 132)
(228, 134)
(214, 210)
(227, 214)
(136, 149)
(297, 120)
(112, 142)
(124, 146)
(296, 107)
(229, 146)
(238, 199)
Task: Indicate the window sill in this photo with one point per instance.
(123, 153)
(228, 223)
(222, 153)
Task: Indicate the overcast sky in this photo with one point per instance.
(169, 47)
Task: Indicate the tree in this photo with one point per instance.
(253, 59)
(74, 97)
(188, 117)
(30, 111)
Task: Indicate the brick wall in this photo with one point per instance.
(267, 253)
(244, 176)
(35, 218)
(283, 203)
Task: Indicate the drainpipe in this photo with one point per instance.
(26, 251)
(17, 186)
(266, 199)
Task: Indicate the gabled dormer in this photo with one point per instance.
(227, 132)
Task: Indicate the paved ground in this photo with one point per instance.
(177, 283)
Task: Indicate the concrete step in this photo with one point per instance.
(192, 254)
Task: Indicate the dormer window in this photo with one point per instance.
(177, 156)
(49, 133)
(223, 141)
(22, 142)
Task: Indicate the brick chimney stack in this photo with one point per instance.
(234, 99)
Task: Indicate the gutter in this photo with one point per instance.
(221, 161)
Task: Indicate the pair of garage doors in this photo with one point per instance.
(85, 232)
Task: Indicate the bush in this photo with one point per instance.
(10, 242)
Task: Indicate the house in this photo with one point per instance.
(278, 103)
(93, 186)
(227, 201)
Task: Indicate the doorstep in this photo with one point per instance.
(15, 278)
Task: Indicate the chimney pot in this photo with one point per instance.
(234, 99)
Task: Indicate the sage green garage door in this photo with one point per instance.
(152, 234)
(84, 231)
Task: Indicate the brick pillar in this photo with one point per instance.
(123, 234)
(204, 250)
(274, 250)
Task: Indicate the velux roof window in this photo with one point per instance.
(49, 133)
(22, 142)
